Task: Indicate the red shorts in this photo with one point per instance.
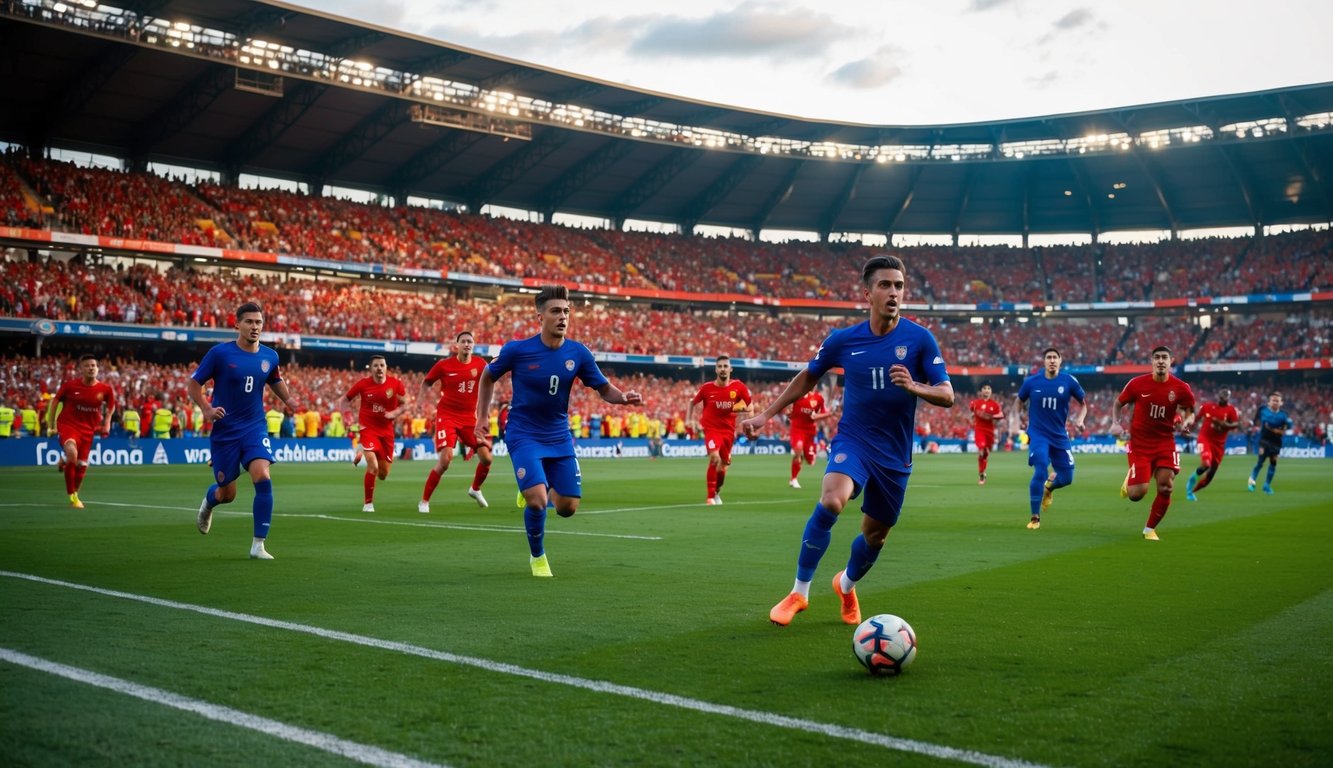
(1142, 466)
(449, 431)
(985, 441)
(1211, 452)
(803, 444)
(83, 441)
(720, 443)
(378, 442)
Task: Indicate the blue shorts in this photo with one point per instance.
(884, 489)
(232, 456)
(554, 466)
(1042, 453)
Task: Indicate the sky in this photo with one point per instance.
(894, 62)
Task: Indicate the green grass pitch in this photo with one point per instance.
(426, 636)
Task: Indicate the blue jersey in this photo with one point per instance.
(1048, 406)
(877, 416)
(238, 378)
(1269, 419)
(543, 378)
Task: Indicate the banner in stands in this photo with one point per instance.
(45, 451)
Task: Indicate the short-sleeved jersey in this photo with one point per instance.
(458, 387)
(543, 378)
(719, 404)
(82, 405)
(238, 379)
(1210, 433)
(1048, 406)
(1152, 428)
(803, 412)
(982, 407)
(1272, 424)
(877, 416)
(376, 400)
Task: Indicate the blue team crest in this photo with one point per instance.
(264, 366)
(900, 352)
(839, 458)
(1060, 389)
(569, 365)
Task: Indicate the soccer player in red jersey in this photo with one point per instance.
(1155, 399)
(721, 399)
(985, 412)
(383, 397)
(1215, 421)
(456, 417)
(804, 413)
(88, 404)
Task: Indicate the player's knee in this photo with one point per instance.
(1137, 492)
(832, 502)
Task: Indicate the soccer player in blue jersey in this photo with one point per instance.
(1047, 395)
(540, 445)
(239, 441)
(888, 362)
(1273, 423)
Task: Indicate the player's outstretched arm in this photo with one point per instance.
(800, 384)
(612, 394)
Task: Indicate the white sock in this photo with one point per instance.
(846, 584)
(1147, 530)
(802, 588)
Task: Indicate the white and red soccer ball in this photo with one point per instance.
(884, 644)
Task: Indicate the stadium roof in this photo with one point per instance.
(268, 88)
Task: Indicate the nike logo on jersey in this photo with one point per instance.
(453, 374)
(860, 352)
(1146, 394)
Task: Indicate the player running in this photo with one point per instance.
(383, 397)
(540, 446)
(721, 399)
(804, 446)
(1273, 423)
(456, 417)
(1215, 420)
(239, 440)
(887, 361)
(1155, 398)
(986, 410)
(85, 406)
(1049, 393)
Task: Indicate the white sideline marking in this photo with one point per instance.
(599, 686)
(362, 753)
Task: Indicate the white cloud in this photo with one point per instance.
(874, 71)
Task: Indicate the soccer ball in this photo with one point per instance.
(884, 644)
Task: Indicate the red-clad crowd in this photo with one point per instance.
(183, 297)
(142, 205)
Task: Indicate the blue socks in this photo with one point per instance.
(534, 520)
(863, 557)
(1063, 476)
(212, 496)
(818, 531)
(1272, 470)
(1036, 486)
(263, 509)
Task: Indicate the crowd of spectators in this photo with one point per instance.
(146, 206)
(143, 293)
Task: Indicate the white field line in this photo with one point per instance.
(362, 753)
(598, 686)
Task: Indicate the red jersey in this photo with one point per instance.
(720, 403)
(1209, 432)
(376, 400)
(82, 411)
(804, 411)
(1152, 428)
(458, 387)
(980, 410)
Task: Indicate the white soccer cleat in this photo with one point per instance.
(794, 483)
(204, 520)
(367, 507)
(716, 500)
(477, 497)
(257, 551)
(423, 507)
